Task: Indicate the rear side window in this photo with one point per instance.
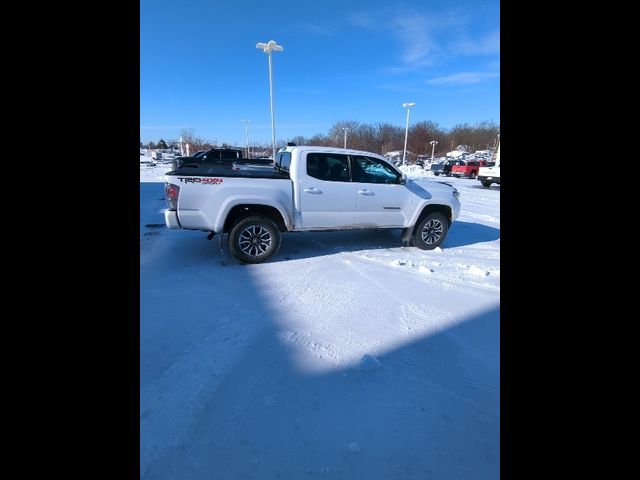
(228, 154)
(330, 167)
(283, 161)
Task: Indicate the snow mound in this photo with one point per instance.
(369, 363)
(437, 249)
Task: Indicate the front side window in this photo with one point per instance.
(373, 170)
(328, 166)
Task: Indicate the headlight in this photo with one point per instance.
(456, 193)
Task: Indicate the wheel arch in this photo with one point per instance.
(444, 209)
(241, 211)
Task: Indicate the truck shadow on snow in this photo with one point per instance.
(298, 245)
(468, 233)
(492, 187)
(313, 244)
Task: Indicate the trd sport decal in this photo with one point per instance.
(206, 181)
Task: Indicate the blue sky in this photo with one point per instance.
(342, 60)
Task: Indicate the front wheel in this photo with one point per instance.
(472, 175)
(254, 239)
(431, 231)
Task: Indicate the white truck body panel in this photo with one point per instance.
(204, 206)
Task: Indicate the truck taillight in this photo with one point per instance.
(171, 192)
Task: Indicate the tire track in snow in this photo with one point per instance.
(436, 277)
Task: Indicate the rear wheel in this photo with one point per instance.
(486, 183)
(472, 175)
(254, 239)
(431, 231)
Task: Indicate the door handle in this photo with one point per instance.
(365, 192)
(313, 190)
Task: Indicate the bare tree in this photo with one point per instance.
(382, 137)
(195, 143)
(299, 140)
(477, 137)
(388, 138)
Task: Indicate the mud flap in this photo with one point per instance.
(220, 242)
(407, 236)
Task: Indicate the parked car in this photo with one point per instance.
(436, 168)
(448, 165)
(470, 169)
(219, 157)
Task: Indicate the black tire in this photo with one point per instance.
(486, 183)
(254, 239)
(431, 231)
(436, 173)
(472, 175)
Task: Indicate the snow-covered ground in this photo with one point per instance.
(346, 356)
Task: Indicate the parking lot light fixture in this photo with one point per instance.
(246, 128)
(433, 146)
(271, 46)
(406, 105)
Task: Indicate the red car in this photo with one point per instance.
(470, 169)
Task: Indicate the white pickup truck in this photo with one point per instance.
(309, 189)
(489, 175)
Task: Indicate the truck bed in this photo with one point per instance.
(226, 172)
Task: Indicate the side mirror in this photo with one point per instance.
(403, 179)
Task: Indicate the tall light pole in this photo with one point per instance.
(267, 48)
(246, 128)
(345, 136)
(433, 146)
(406, 131)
